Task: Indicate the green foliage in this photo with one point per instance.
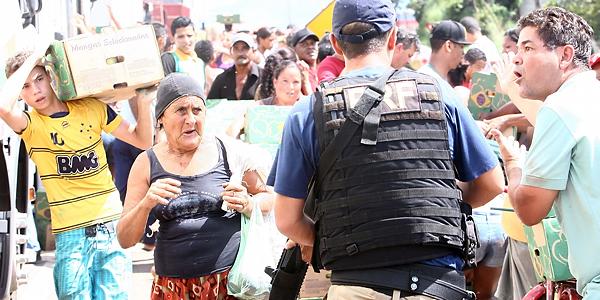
(587, 9)
(495, 17)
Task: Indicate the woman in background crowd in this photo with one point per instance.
(509, 44)
(286, 87)
(460, 78)
(265, 87)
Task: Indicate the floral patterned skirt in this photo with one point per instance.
(209, 287)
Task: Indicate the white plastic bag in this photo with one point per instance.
(258, 249)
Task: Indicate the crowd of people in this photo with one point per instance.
(382, 174)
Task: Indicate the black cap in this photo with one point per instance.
(302, 35)
(173, 87)
(449, 30)
(379, 13)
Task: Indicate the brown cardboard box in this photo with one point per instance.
(109, 66)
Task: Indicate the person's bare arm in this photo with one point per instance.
(236, 127)
(80, 22)
(484, 188)
(114, 20)
(291, 221)
(531, 203)
(133, 105)
(304, 71)
(140, 199)
(10, 112)
(506, 109)
(141, 134)
(503, 122)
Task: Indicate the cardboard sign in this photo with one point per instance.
(264, 124)
(222, 112)
(483, 97)
(108, 66)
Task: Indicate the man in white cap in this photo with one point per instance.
(239, 82)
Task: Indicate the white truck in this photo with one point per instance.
(17, 173)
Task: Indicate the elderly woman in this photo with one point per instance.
(197, 186)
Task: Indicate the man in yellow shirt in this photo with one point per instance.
(63, 139)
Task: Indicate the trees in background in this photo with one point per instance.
(496, 16)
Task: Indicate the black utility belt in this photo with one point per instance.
(390, 292)
(412, 279)
(109, 227)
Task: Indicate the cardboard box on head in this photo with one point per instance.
(107, 66)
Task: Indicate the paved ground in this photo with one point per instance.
(40, 284)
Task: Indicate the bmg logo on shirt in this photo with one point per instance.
(73, 164)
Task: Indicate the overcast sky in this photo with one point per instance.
(255, 13)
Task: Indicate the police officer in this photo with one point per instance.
(384, 212)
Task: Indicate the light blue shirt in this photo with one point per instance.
(565, 156)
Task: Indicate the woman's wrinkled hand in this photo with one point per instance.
(161, 191)
(236, 197)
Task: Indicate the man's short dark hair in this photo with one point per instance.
(407, 39)
(325, 49)
(474, 55)
(367, 47)
(263, 33)
(471, 24)
(204, 50)
(180, 22)
(558, 27)
(512, 34)
(15, 62)
(436, 44)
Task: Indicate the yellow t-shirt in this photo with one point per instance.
(71, 163)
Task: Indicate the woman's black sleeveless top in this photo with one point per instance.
(196, 237)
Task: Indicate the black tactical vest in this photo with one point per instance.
(395, 202)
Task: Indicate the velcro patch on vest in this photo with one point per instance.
(400, 96)
(334, 124)
(431, 96)
(337, 105)
(425, 80)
